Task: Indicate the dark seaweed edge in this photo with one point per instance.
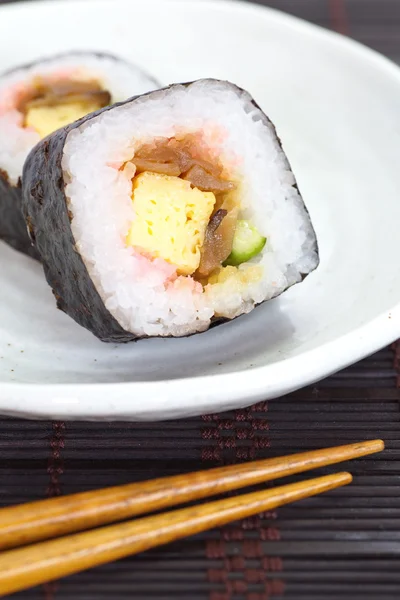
(45, 204)
(13, 229)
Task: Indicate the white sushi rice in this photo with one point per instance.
(99, 197)
(119, 78)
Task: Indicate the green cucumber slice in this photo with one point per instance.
(247, 243)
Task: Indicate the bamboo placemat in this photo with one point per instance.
(345, 545)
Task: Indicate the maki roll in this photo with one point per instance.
(167, 213)
(37, 99)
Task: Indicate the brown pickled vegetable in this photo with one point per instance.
(144, 164)
(53, 93)
(218, 241)
(166, 153)
(198, 177)
(178, 158)
(215, 222)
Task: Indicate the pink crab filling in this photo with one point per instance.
(163, 273)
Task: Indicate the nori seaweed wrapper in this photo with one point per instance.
(45, 208)
(13, 228)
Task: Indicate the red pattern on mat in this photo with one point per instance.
(55, 469)
(242, 435)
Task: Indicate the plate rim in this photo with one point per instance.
(214, 392)
(56, 400)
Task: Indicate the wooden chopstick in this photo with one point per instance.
(46, 519)
(39, 563)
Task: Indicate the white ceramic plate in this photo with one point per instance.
(337, 109)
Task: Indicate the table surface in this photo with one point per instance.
(345, 544)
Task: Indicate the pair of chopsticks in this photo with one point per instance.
(44, 561)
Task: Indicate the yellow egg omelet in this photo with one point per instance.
(171, 219)
(46, 119)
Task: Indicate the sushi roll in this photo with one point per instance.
(37, 99)
(167, 213)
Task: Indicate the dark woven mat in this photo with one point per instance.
(345, 544)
